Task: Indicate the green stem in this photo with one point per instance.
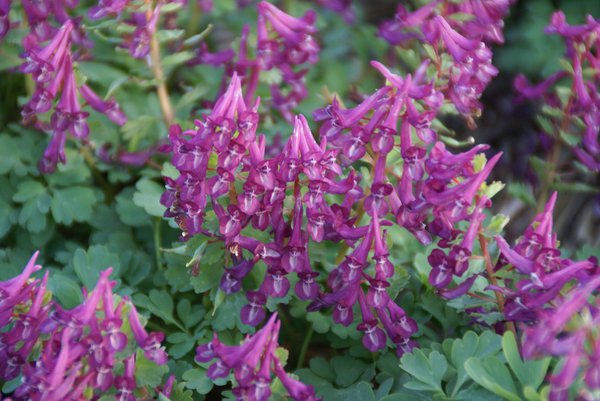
(305, 345)
(157, 242)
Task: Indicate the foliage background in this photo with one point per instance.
(90, 215)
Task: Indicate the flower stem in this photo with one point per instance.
(108, 190)
(305, 344)
(157, 242)
(492, 278)
(161, 87)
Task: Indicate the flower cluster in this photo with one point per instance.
(550, 296)
(283, 44)
(141, 23)
(462, 60)
(434, 190)
(253, 362)
(542, 272)
(573, 118)
(52, 70)
(570, 331)
(65, 354)
(108, 8)
(39, 14)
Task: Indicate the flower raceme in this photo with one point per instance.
(284, 44)
(463, 42)
(41, 16)
(63, 354)
(541, 271)
(570, 331)
(52, 70)
(253, 362)
(556, 301)
(224, 172)
(580, 109)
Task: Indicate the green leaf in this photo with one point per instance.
(182, 344)
(142, 127)
(65, 289)
(207, 279)
(493, 375)
(384, 388)
(159, 303)
(147, 196)
(31, 218)
(406, 395)
(101, 72)
(347, 369)
(197, 380)
(180, 393)
(496, 225)
(322, 368)
(574, 187)
(471, 345)
(130, 213)
(532, 395)
(148, 373)
(429, 371)
(174, 60)
(522, 192)
(169, 35)
(6, 221)
(320, 322)
(88, 264)
(530, 373)
(188, 314)
(35, 201)
(27, 190)
(363, 391)
(74, 172)
(227, 316)
(72, 204)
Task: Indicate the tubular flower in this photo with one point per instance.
(542, 272)
(464, 42)
(568, 331)
(62, 354)
(253, 362)
(52, 70)
(285, 44)
(41, 18)
(581, 107)
(225, 169)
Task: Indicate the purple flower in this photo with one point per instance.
(107, 8)
(253, 313)
(150, 343)
(110, 107)
(4, 18)
(373, 338)
(252, 363)
(296, 389)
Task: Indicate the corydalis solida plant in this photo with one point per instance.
(51, 68)
(573, 117)
(555, 300)
(253, 363)
(429, 195)
(284, 44)
(458, 35)
(67, 354)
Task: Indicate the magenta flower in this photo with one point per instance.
(252, 363)
(149, 342)
(63, 353)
